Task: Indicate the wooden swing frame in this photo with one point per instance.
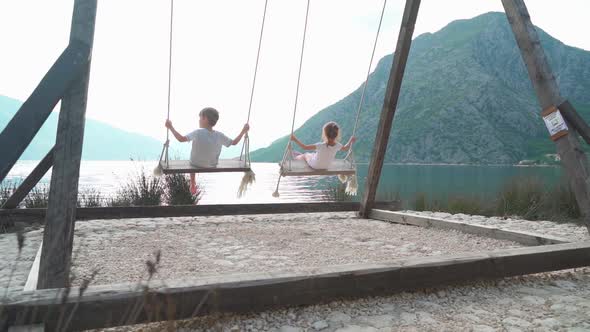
(104, 306)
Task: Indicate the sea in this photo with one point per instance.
(397, 181)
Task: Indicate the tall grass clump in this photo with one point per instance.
(526, 198)
(38, 197)
(467, 205)
(6, 190)
(178, 191)
(563, 203)
(523, 197)
(140, 190)
(421, 202)
(90, 197)
(337, 193)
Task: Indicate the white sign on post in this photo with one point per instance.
(555, 123)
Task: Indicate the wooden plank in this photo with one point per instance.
(572, 156)
(30, 182)
(105, 306)
(184, 166)
(573, 117)
(392, 92)
(526, 238)
(101, 213)
(27, 328)
(31, 283)
(301, 168)
(58, 235)
(27, 121)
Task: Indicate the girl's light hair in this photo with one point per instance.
(331, 130)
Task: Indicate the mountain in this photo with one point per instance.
(101, 141)
(466, 98)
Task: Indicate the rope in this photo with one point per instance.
(245, 147)
(288, 148)
(257, 59)
(350, 155)
(300, 67)
(169, 79)
(360, 106)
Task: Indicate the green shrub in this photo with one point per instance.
(38, 197)
(177, 188)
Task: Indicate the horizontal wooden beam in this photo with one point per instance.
(27, 121)
(522, 237)
(125, 304)
(38, 215)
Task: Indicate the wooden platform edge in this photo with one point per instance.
(125, 304)
(37, 215)
(522, 237)
(31, 283)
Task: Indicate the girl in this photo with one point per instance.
(325, 151)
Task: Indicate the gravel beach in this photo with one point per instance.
(192, 247)
(198, 246)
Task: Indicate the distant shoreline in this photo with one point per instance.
(358, 163)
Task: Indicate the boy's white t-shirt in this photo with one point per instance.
(323, 156)
(206, 146)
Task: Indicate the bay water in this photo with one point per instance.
(403, 181)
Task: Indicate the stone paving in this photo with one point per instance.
(193, 247)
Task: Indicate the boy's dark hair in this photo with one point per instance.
(211, 114)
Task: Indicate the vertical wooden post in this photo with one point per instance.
(572, 156)
(63, 193)
(394, 84)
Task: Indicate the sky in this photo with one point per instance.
(214, 52)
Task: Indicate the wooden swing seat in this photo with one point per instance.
(301, 168)
(223, 166)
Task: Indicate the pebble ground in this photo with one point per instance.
(557, 301)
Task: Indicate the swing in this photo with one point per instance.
(345, 168)
(167, 166)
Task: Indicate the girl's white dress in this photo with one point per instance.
(323, 155)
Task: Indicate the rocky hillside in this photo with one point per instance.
(466, 98)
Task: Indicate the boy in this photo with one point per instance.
(206, 141)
